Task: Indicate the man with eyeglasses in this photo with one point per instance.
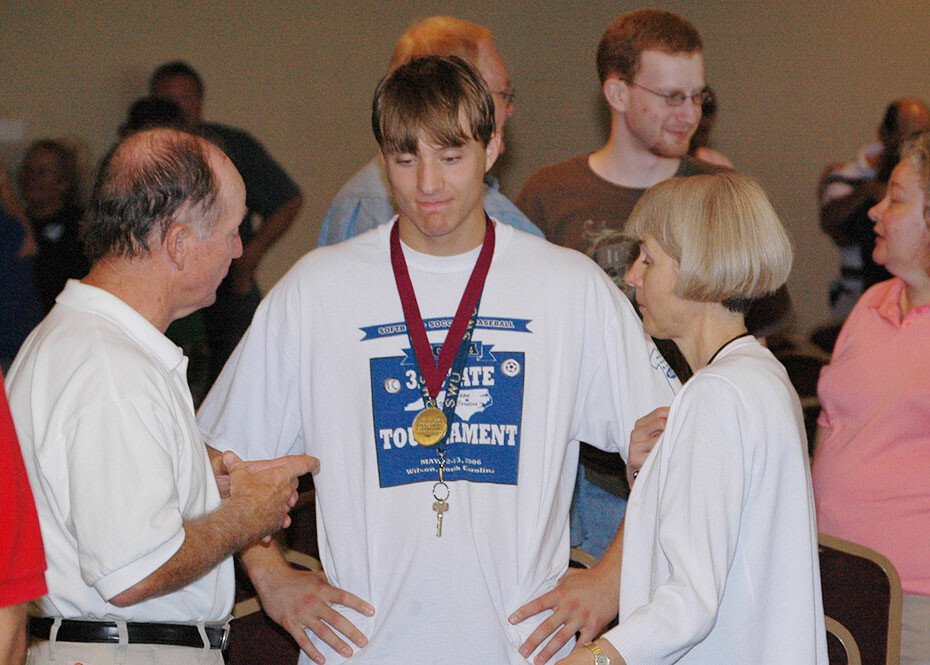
(364, 201)
(652, 76)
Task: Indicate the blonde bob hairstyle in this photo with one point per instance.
(730, 245)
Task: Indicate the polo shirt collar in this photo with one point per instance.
(886, 304)
(103, 303)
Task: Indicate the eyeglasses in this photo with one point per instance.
(678, 98)
(508, 95)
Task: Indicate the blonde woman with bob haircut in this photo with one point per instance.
(720, 542)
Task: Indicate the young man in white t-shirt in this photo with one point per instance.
(443, 494)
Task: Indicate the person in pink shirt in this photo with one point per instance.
(872, 458)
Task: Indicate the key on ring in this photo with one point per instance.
(440, 507)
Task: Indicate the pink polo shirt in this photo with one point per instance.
(872, 471)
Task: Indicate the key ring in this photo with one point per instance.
(438, 487)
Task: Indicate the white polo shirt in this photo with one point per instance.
(115, 458)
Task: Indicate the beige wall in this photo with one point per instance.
(800, 84)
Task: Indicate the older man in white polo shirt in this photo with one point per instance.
(138, 524)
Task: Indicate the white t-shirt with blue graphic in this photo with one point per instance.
(558, 355)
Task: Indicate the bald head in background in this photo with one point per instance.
(445, 35)
(904, 117)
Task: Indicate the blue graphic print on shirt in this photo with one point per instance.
(483, 444)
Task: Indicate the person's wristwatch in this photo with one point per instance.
(600, 658)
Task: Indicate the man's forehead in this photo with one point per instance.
(904, 174)
(222, 167)
(172, 83)
(656, 62)
(215, 156)
(43, 157)
(491, 65)
(427, 143)
(430, 139)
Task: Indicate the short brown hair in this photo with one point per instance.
(431, 95)
(648, 29)
(730, 246)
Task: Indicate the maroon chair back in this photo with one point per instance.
(861, 592)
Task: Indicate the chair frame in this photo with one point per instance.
(893, 654)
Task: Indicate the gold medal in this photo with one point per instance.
(429, 426)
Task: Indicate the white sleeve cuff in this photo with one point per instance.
(128, 576)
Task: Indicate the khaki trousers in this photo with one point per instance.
(54, 652)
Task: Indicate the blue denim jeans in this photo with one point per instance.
(595, 516)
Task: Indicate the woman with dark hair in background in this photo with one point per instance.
(48, 184)
(19, 309)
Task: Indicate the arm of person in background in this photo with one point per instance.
(11, 205)
(269, 192)
(825, 182)
(242, 270)
(256, 505)
(349, 215)
(714, 157)
(584, 601)
(532, 207)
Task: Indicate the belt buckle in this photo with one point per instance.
(224, 643)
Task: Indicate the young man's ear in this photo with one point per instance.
(617, 94)
(493, 149)
(176, 244)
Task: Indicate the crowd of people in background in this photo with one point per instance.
(629, 407)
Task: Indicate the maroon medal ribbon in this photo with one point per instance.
(432, 372)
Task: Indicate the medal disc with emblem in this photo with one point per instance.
(429, 426)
